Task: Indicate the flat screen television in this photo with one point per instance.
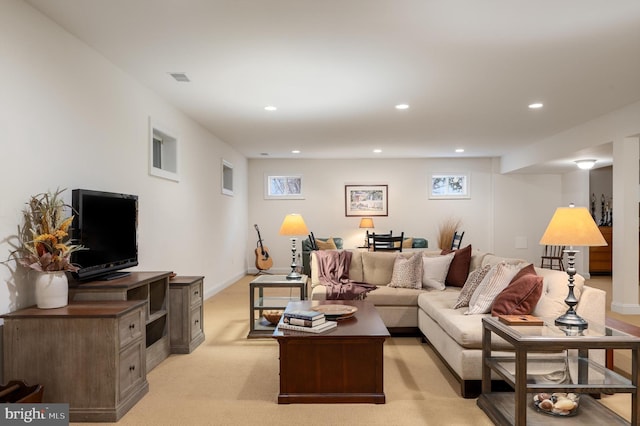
(107, 224)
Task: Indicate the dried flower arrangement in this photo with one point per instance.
(446, 230)
(45, 244)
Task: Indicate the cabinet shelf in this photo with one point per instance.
(151, 287)
(600, 378)
(500, 406)
(274, 302)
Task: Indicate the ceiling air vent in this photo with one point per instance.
(180, 76)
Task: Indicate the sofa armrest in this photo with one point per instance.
(306, 252)
(592, 305)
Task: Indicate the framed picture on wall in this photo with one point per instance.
(366, 200)
(449, 186)
(283, 187)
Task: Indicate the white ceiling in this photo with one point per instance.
(336, 68)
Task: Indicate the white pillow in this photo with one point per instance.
(491, 286)
(434, 270)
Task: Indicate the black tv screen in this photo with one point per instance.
(106, 224)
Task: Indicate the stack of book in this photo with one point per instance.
(309, 321)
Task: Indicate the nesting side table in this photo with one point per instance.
(260, 302)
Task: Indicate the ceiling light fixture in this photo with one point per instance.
(377, 151)
(536, 105)
(459, 150)
(270, 108)
(585, 164)
(402, 106)
(295, 151)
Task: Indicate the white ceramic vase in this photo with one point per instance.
(52, 290)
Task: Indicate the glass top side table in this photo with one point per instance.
(260, 302)
(531, 346)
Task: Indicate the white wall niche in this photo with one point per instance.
(227, 178)
(163, 152)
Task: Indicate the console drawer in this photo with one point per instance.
(130, 327)
(132, 368)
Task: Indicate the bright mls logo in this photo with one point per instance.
(35, 414)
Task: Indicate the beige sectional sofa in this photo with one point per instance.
(456, 337)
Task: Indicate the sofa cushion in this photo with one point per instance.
(326, 245)
(407, 273)
(492, 259)
(377, 266)
(385, 295)
(519, 298)
(490, 287)
(434, 270)
(554, 291)
(459, 268)
(473, 281)
(466, 330)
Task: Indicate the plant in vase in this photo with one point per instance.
(45, 246)
(446, 230)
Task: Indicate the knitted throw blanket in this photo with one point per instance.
(333, 273)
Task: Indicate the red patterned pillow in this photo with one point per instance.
(520, 297)
(459, 268)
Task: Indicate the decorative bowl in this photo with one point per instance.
(272, 316)
(557, 404)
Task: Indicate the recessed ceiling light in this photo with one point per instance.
(295, 151)
(536, 105)
(586, 164)
(270, 108)
(459, 150)
(377, 151)
(402, 106)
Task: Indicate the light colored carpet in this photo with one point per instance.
(230, 380)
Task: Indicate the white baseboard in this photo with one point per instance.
(626, 308)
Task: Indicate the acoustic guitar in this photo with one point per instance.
(263, 259)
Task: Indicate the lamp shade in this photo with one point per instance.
(572, 226)
(366, 222)
(293, 224)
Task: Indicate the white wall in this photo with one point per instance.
(501, 207)
(70, 119)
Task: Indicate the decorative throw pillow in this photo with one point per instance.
(459, 268)
(326, 245)
(407, 272)
(473, 281)
(490, 287)
(434, 270)
(406, 243)
(527, 270)
(520, 296)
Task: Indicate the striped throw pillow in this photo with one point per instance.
(490, 287)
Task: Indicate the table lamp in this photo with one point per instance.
(366, 222)
(572, 226)
(293, 224)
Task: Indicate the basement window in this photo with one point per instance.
(163, 152)
(227, 178)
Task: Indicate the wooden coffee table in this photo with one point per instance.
(344, 364)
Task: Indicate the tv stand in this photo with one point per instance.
(152, 287)
(113, 276)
